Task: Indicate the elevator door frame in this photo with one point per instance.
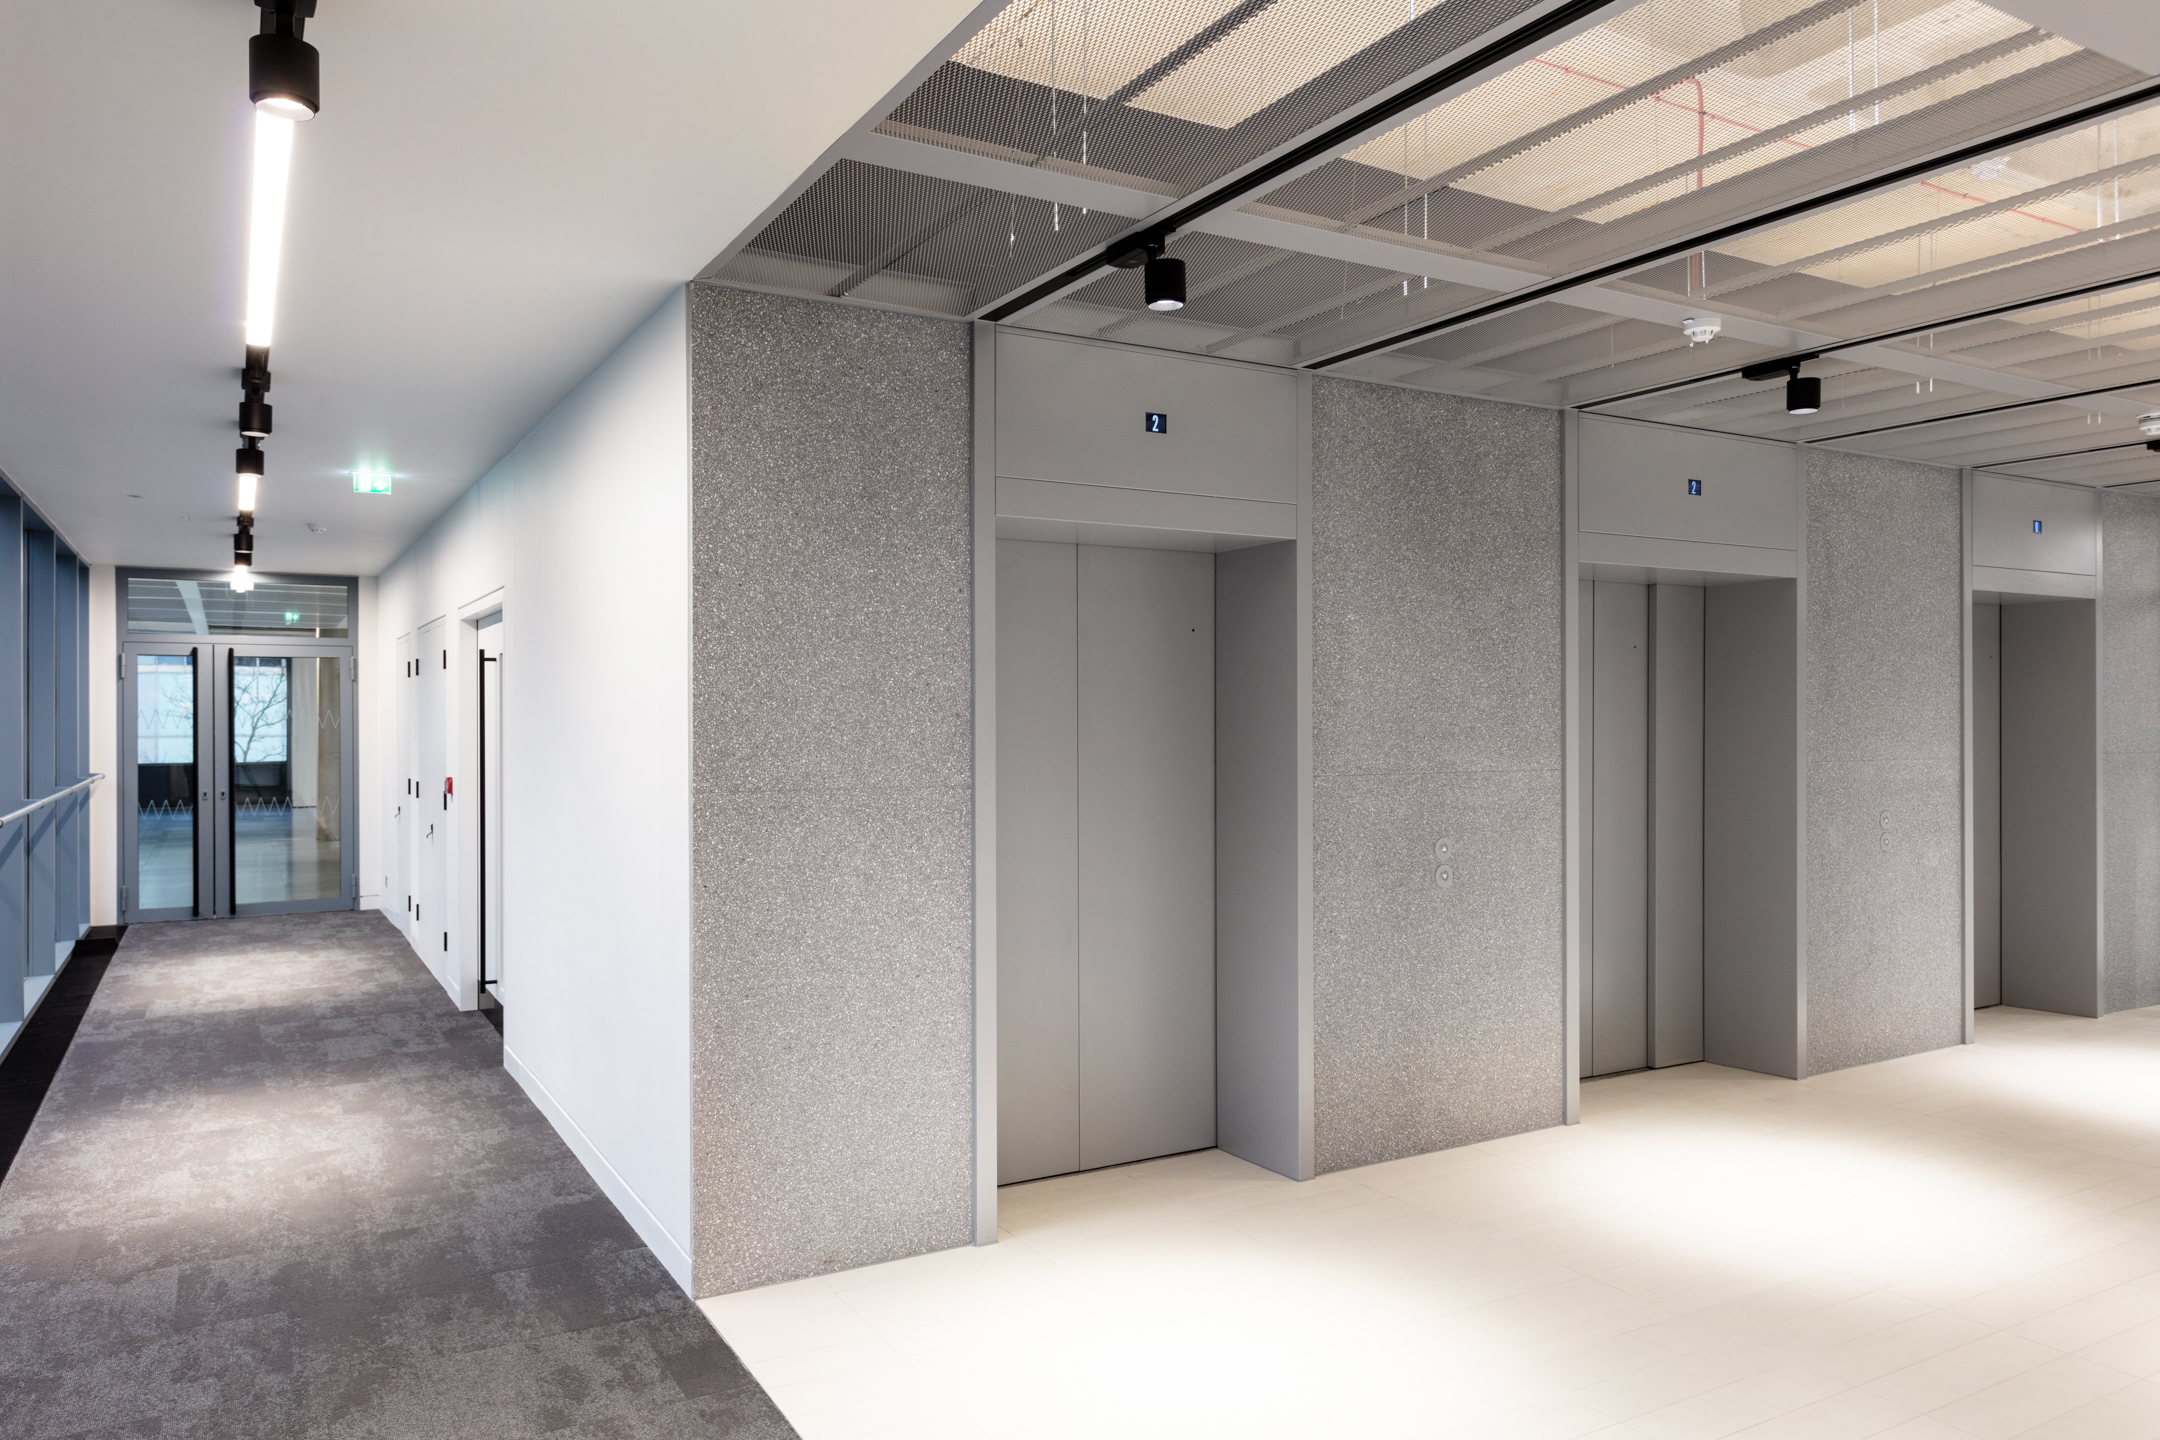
(215, 895)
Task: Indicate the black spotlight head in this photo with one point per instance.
(2152, 444)
(284, 76)
(1165, 283)
(247, 460)
(255, 417)
(1803, 395)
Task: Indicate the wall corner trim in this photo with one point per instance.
(671, 1253)
(984, 539)
(1573, 837)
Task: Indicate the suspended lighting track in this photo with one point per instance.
(2072, 454)
(1322, 145)
(1965, 154)
(284, 84)
(1884, 337)
(1985, 410)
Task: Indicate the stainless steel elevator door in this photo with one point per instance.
(1147, 853)
(1987, 805)
(1106, 856)
(1617, 975)
(1038, 878)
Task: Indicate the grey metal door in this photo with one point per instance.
(285, 771)
(164, 781)
(237, 766)
(1106, 868)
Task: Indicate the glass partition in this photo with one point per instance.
(165, 781)
(166, 605)
(287, 793)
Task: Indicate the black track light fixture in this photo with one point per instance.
(1165, 283)
(1803, 393)
(284, 71)
(254, 385)
(1163, 278)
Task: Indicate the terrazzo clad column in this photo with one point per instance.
(831, 990)
(2130, 750)
(1437, 695)
(1885, 967)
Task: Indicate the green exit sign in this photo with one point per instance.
(371, 482)
(292, 617)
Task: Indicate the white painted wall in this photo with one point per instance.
(584, 528)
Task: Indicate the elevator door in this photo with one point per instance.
(1106, 856)
(1616, 978)
(1642, 937)
(1987, 805)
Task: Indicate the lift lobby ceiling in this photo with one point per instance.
(1523, 201)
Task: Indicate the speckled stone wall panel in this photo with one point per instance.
(1885, 959)
(1437, 715)
(2130, 750)
(832, 973)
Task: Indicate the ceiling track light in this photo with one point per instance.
(285, 86)
(1803, 393)
(2149, 425)
(284, 71)
(1162, 279)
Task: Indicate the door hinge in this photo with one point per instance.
(120, 663)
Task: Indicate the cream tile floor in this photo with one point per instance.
(1959, 1244)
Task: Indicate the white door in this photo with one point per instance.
(490, 655)
(431, 823)
(407, 804)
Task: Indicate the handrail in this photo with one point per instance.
(57, 794)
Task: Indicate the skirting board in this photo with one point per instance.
(617, 1189)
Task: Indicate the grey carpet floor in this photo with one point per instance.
(280, 1187)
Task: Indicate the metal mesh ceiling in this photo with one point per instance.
(1063, 122)
(1162, 96)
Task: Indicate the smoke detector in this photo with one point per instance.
(2150, 424)
(1701, 329)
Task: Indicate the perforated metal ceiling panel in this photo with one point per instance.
(1765, 162)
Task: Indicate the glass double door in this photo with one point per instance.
(235, 780)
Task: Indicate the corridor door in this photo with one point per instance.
(236, 767)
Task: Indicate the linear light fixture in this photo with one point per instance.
(266, 223)
(284, 85)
